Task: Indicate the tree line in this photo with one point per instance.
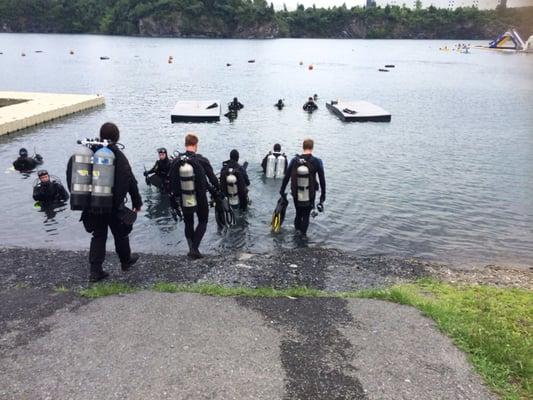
(256, 18)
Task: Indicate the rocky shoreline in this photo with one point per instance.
(325, 269)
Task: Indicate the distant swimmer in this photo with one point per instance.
(279, 104)
(310, 106)
(158, 174)
(234, 181)
(315, 97)
(275, 163)
(49, 190)
(25, 163)
(235, 105)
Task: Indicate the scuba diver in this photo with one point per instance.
(279, 104)
(235, 105)
(25, 163)
(234, 181)
(189, 175)
(48, 191)
(159, 171)
(315, 97)
(302, 172)
(310, 106)
(275, 163)
(99, 183)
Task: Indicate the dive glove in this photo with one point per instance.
(320, 207)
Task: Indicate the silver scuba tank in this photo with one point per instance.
(232, 188)
(280, 166)
(188, 192)
(303, 183)
(103, 180)
(81, 178)
(270, 171)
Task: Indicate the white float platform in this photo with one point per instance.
(196, 111)
(358, 111)
(35, 108)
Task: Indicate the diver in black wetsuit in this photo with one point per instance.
(189, 175)
(159, 171)
(48, 191)
(235, 105)
(302, 172)
(279, 105)
(232, 167)
(25, 163)
(310, 106)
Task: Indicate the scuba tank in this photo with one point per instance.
(232, 188)
(270, 171)
(187, 189)
(302, 173)
(280, 166)
(103, 180)
(81, 178)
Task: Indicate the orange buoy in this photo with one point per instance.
(310, 67)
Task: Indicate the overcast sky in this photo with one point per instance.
(291, 4)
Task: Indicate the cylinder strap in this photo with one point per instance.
(188, 191)
(102, 189)
(82, 159)
(80, 187)
(186, 178)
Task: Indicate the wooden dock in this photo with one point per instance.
(19, 110)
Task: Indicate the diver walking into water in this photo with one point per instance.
(235, 105)
(98, 184)
(49, 191)
(24, 163)
(279, 105)
(302, 172)
(234, 181)
(159, 172)
(275, 163)
(310, 105)
(189, 175)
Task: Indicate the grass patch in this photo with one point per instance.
(107, 289)
(60, 289)
(222, 291)
(493, 326)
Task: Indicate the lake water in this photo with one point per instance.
(449, 179)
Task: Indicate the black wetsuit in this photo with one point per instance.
(242, 181)
(98, 223)
(235, 106)
(160, 173)
(265, 160)
(49, 192)
(301, 221)
(310, 106)
(279, 105)
(27, 163)
(203, 171)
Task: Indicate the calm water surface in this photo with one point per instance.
(449, 179)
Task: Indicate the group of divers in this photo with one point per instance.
(235, 106)
(99, 177)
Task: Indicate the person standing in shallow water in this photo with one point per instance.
(302, 172)
(98, 223)
(189, 175)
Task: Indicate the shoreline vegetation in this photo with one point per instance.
(256, 19)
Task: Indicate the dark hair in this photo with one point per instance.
(277, 147)
(23, 152)
(109, 131)
(308, 144)
(234, 155)
(191, 140)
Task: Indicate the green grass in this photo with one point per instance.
(60, 289)
(107, 289)
(493, 326)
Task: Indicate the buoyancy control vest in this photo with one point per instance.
(187, 183)
(303, 182)
(92, 176)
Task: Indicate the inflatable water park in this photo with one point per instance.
(510, 41)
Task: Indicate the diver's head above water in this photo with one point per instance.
(191, 142)
(109, 131)
(43, 176)
(277, 148)
(234, 155)
(23, 152)
(162, 153)
(307, 146)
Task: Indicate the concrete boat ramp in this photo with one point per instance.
(19, 110)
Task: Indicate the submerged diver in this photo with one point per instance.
(235, 105)
(48, 191)
(159, 171)
(302, 172)
(189, 173)
(234, 181)
(279, 104)
(275, 163)
(96, 218)
(25, 163)
(310, 106)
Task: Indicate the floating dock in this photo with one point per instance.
(196, 111)
(19, 110)
(358, 111)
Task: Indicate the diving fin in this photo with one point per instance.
(279, 214)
